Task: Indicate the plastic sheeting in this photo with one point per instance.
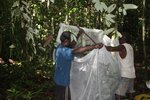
(96, 75)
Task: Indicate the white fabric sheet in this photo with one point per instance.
(96, 75)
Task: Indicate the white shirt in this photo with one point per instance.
(127, 64)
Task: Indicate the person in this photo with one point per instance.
(126, 65)
(64, 54)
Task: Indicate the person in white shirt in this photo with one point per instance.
(126, 64)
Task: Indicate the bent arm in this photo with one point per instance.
(118, 48)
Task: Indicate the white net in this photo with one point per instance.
(96, 75)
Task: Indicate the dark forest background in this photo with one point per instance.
(28, 31)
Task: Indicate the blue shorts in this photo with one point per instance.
(126, 86)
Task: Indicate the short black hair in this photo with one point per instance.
(125, 36)
(65, 35)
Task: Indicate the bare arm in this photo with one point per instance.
(83, 49)
(78, 35)
(118, 48)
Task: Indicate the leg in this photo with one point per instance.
(59, 92)
(62, 93)
(123, 87)
(118, 98)
(130, 95)
(130, 90)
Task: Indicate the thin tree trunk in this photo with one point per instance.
(143, 31)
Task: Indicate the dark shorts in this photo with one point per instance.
(62, 93)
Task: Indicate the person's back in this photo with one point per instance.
(63, 57)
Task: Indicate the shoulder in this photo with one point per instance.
(64, 49)
(127, 45)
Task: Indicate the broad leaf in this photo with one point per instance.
(129, 6)
(27, 11)
(109, 18)
(120, 9)
(52, 1)
(43, 49)
(98, 7)
(111, 8)
(74, 38)
(26, 17)
(107, 23)
(12, 46)
(109, 31)
(94, 1)
(25, 3)
(43, 1)
(104, 5)
(15, 4)
(21, 8)
(119, 34)
(124, 12)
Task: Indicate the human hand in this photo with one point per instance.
(99, 46)
(80, 32)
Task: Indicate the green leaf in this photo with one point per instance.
(52, 1)
(98, 7)
(109, 18)
(43, 49)
(15, 4)
(120, 9)
(42, 1)
(104, 5)
(25, 3)
(9, 90)
(83, 43)
(129, 6)
(94, 1)
(100, 32)
(21, 8)
(12, 46)
(27, 11)
(109, 31)
(12, 13)
(22, 24)
(75, 39)
(111, 8)
(124, 12)
(71, 37)
(34, 31)
(119, 34)
(107, 23)
(26, 17)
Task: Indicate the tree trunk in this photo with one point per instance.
(143, 31)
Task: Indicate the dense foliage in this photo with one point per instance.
(27, 73)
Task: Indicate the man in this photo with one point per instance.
(63, 56)
(126, 64)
